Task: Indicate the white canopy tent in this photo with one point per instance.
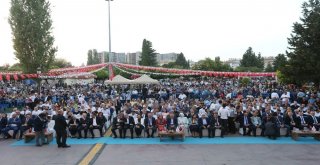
(145, 79)
(118, 79)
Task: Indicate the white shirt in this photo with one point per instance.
(274, 95)
(94, 123)
(223, 113)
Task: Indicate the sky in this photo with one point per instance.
(197, 28)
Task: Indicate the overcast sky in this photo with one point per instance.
(198, 28)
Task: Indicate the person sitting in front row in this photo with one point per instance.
(139, 125)
(128, 124)
(150, 124)
(172, 122)
(118, 124)
(161, 123)
(245, 123)
(203, 123)
(13, 124)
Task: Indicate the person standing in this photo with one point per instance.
(39, 127)
(60, 128)
(224, 114)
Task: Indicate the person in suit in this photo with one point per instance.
(139, 125)
(95, 123)
(215, 123)
(118, 124)
(204, 123)
(172, 122)
(26, 124)
(60, 127)
(256, 123)
(72, 124)
(300, 121)
(150, 124)
(39, 125)
(13, 124)
(128, 124)
(289, 122)
(245, 124)
(270, 126)
(83, 125)
(313, 121)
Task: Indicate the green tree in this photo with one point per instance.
(90, 58)
(102, 74)
(96, 59)
(211, 65)
(249, 59)
(15, 67)
(60, 63)
(33, 41)
(279, 61)
(269, 68)
(181, 61)
(304, 51)
(148, 55)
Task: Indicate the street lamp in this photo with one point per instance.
(109, 35)
(38, 73)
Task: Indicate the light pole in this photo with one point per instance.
(109, 54)
(39, 72)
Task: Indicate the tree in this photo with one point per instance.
(249, 59)
(211, 65)
(90, 58)
(181, 61)
(304, 51)
(279, 61)
(60, 63)
(102, 74)
(95, 56)
(15, 67)
(148, 55)
(33, 41)
(269, 68)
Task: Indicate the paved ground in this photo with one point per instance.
(168, 154)
(210, 155)
(46, 155)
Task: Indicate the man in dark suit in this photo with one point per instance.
(26, 124)
(150, 124)
(313, 121)
(118, 124)
(128, 124)
(204, 123)
(95, 123)
(215, 123)
(60, 127)
(289, 122)
(83, 125)
(172, 122)
(245, 123)
(39, 125)
(301, 121)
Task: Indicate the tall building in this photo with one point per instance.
(103, 56)
(133, 58)
(166, 58)
(117, 57)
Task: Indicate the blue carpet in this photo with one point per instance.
(216, 140)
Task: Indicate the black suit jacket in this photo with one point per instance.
(287, 120)
(3, 122)
(146, 121)
(310, 120)
(298, 121)
(242, 121)
(200, 122)
(131, 120)
(84, 121)
(175, 122)
(214, 120)
(60, 123)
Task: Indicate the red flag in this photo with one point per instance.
(22, 76)
(8, 77)
(0, 77)
(15, 77)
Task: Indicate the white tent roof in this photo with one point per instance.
(145, 79)
(118, 79)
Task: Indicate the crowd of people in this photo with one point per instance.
(190, 105)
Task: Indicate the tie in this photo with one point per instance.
(302, 120)
(245, 120)
(315, 120)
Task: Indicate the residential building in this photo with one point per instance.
(117, 57)
(133, 58)
(233, 62)
(166, 58)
